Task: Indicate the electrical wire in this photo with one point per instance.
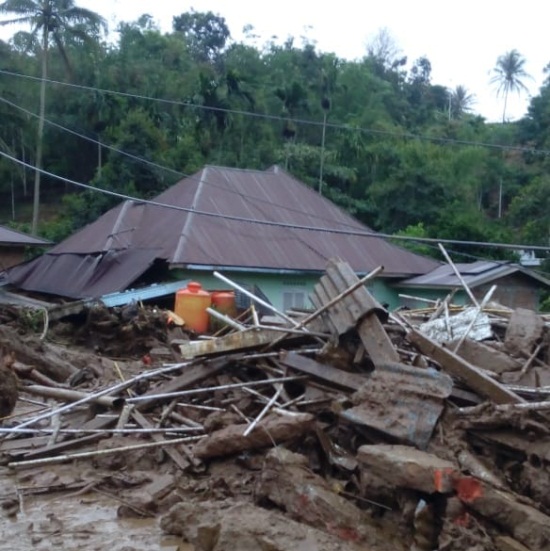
(165, 168)
(335, 231)
(310, 122)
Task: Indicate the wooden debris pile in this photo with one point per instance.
(411, 430)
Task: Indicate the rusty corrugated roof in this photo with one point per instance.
(194, 239)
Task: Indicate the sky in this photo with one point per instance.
(462, 40)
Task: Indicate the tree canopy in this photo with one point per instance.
(375, 135)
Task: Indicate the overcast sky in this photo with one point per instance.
(462, 40)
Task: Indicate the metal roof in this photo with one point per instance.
(193, 239)
(474, 274)
(81, 276)
(13, 237)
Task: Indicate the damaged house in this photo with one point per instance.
(13, 245)
(264, 229)
(254, 226)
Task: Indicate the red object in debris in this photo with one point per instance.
(468, 489)
(147, 360)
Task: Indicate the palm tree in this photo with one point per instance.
(460, 101)
(51, 20)
(508, 74)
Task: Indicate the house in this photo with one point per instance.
(260, 228)
(517, 287)
(13, 246)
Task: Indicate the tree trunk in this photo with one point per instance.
(505, 103)
(40, 133)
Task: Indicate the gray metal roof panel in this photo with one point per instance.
(14, 237)
(475, 274)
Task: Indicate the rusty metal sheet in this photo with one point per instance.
(402, 402)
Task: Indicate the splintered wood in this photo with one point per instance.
(332, 416)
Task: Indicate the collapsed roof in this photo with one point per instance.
(9, 237)
(219, 218)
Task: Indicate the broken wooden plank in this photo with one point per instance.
(489, 357)
(527, 525)
(524, 331)
(234, 342)
(327, 373)
(407, 467)
(275, 428)
(287, 481)
(376, 341)
(369, 317)
(506, 543)
(465, 371)
(346, 313)
(358, 310)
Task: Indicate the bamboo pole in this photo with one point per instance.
(264, 411)
(215, 388)
(525, 406)
(226, 319)
(530, 360)
(254, 297)
(132, 430)
(478, 310)
(97, 453)
(68, 395)
(458, 275)
(104, 392)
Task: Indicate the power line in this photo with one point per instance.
(273, 223)
(310, 122)
(162, 167)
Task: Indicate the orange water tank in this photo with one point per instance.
(191, 305)
(224, 302)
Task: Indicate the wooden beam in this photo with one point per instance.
(472, 376)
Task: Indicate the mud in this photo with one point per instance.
(69, 522)
(295, 482)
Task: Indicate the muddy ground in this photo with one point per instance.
(302, 485)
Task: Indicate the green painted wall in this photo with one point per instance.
(283, 288)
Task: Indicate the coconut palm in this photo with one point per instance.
(51, 20)
(508, 74)
(461, 101)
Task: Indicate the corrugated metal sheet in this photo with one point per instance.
(82, 276)
(401, 401)
(474, 274)
(190, 238)
(12, 237)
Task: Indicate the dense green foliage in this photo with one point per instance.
(376, 135)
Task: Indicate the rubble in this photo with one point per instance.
(348, 427)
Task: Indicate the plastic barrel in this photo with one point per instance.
(224, 302)
(191, 305)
